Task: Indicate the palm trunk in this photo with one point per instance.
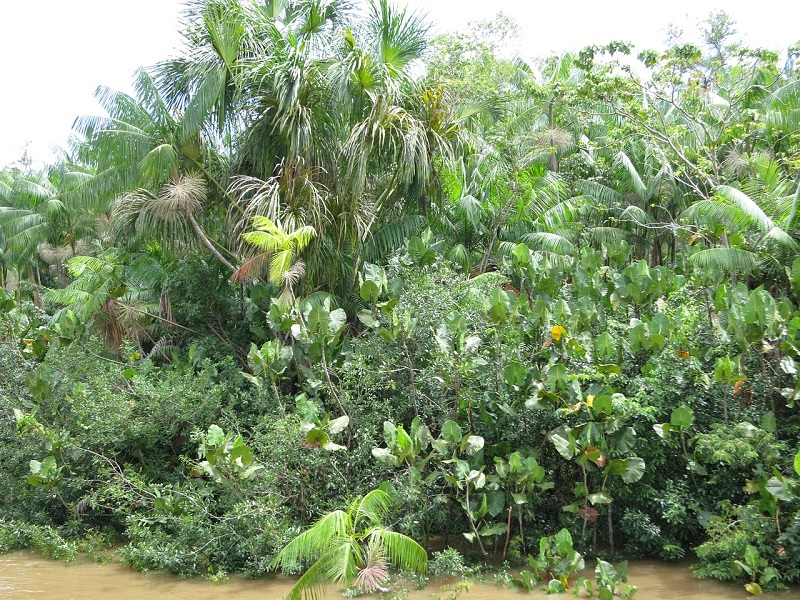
(207, 243)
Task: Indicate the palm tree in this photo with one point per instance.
(336, 137)
(642, 204)
(281, 247)
(761, 210)
(220, 36)
(169, 217)
(349, 547)
(42, 219)
(143, 146)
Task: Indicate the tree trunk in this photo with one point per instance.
(207, 243)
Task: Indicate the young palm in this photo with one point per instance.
(350, 547)
(281, 247)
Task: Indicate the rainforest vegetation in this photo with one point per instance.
(324, 268)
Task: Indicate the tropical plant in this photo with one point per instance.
(44, 222)
(556, 559)
(350, 547)
(281, 248)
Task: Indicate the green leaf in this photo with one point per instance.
(339, 424)
(522, 255)
(557, 377)
(421, 434)
(681, 417)
(603, 405)
(624, 440)
(797, 463)
(318, 320)
(768, 422)
(243, 453)
(604, 345)
(515, 374)
(751, 555)
(617, 466)
(369, 291)
(600, 498)
(634, 470)
(769, 574)
(660, 325)
(385, 455)
(215, 436)
(755, 309)
(317, 437)
(403, 440)
(495, 529)
(472, 444)
(780, 488)
(561, 312)
(331, 447)
(368, 318)
(657, 341)
(638, 335)
(451, 432)
(338, 321)
(788, 365)
(496, 502)
(563, 442)
(662, 429)
(610, 369)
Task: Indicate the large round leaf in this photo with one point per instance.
(682, 417)
(634, 470)
(451, 432)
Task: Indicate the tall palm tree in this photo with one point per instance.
(169, 216)
(335, 136)
(42, 219)
(642, 204)
(155, 166)
(349, 547)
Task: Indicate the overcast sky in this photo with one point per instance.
(54, 53)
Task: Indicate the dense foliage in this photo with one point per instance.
(319, 254)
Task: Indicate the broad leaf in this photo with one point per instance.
(681, 417)
(600, 498)
(451, 432)
(604, 345)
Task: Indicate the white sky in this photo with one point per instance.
(54, 53)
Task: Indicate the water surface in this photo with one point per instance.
(25, 575)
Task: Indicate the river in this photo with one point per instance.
(24, 575)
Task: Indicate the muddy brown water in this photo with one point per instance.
(24, 575)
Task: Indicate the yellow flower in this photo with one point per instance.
(558, 332)
(590, 401)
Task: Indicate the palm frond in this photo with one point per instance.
(405, 553)
(551, 242)
(372, 508)
(341, 561)
(726, 259)
(311, 544)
